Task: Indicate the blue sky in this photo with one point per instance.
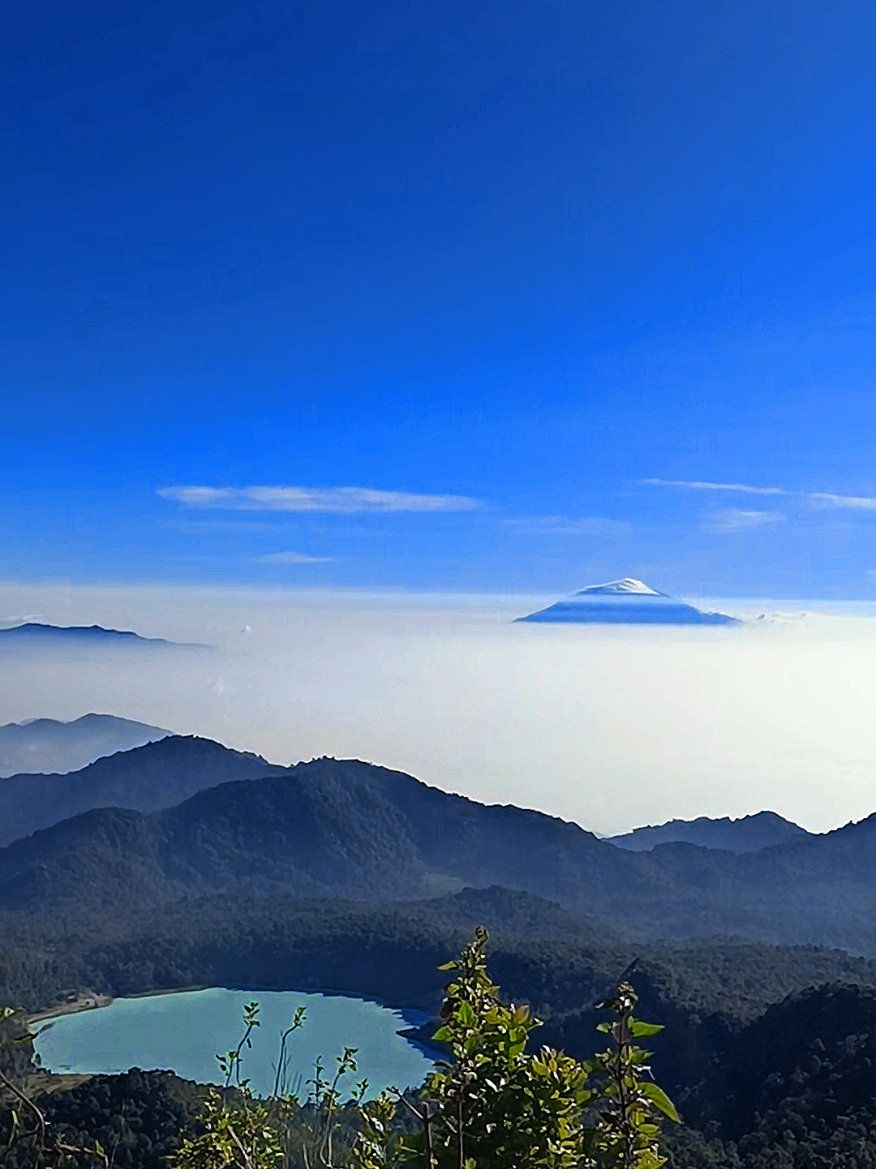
(440, 295)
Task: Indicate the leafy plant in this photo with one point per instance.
(242, 1131)
(494, 1105)
(630, 1104)
(491, 1103)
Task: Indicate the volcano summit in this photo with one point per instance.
(625, 602)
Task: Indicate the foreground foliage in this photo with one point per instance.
(794, 1089)
(490, 1104)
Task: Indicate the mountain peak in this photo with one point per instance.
(47, 746)
(747, 834)
(626, 587)
(625, 602)
(145, 778)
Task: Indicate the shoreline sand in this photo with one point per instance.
(92, 1001)
(85, 1002)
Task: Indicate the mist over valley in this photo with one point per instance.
(612, 727)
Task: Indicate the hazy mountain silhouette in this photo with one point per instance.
(625, 602)
(47, 745)
(157, 775)
(747, 834)
(37, 635)
(342, 828)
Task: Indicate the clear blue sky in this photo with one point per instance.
(499, 263)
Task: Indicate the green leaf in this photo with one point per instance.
(466, 1014)
(639, 1029)
(661, 1101)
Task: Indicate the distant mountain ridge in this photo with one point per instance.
(47, 745)
(148, 778)
(625, 602)
(342, 828)
(38, 630)
(37, 633)
(747, 834)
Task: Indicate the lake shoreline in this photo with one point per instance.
(181, 1031)
(92, 1002)
(86, 1002)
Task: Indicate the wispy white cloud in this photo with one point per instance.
(346, 500)
(558, 525)
(855, 502)
(818, 499)
(703, 485)
(292, 558)
(734, 519)
(186, 523)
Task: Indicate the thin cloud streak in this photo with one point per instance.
(292, 558)
(341, 500)
(820, 499)
(855, 502)
(702, 485)
(558, 525)
(738, 520)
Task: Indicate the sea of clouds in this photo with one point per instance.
(612, 727)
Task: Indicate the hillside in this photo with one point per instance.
(342, 828)
(48, 746)
(747, 834)
(327, 828)
(156, 775)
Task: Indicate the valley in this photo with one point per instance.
(342, 876)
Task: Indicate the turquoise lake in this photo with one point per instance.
(184, 1031)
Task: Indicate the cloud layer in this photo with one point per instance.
(611, 726)
(344, 500)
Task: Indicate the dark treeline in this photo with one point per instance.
(541, 952)
(137, 1118)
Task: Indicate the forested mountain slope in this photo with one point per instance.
(331, 828)
(342, 828)
(147, 778)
